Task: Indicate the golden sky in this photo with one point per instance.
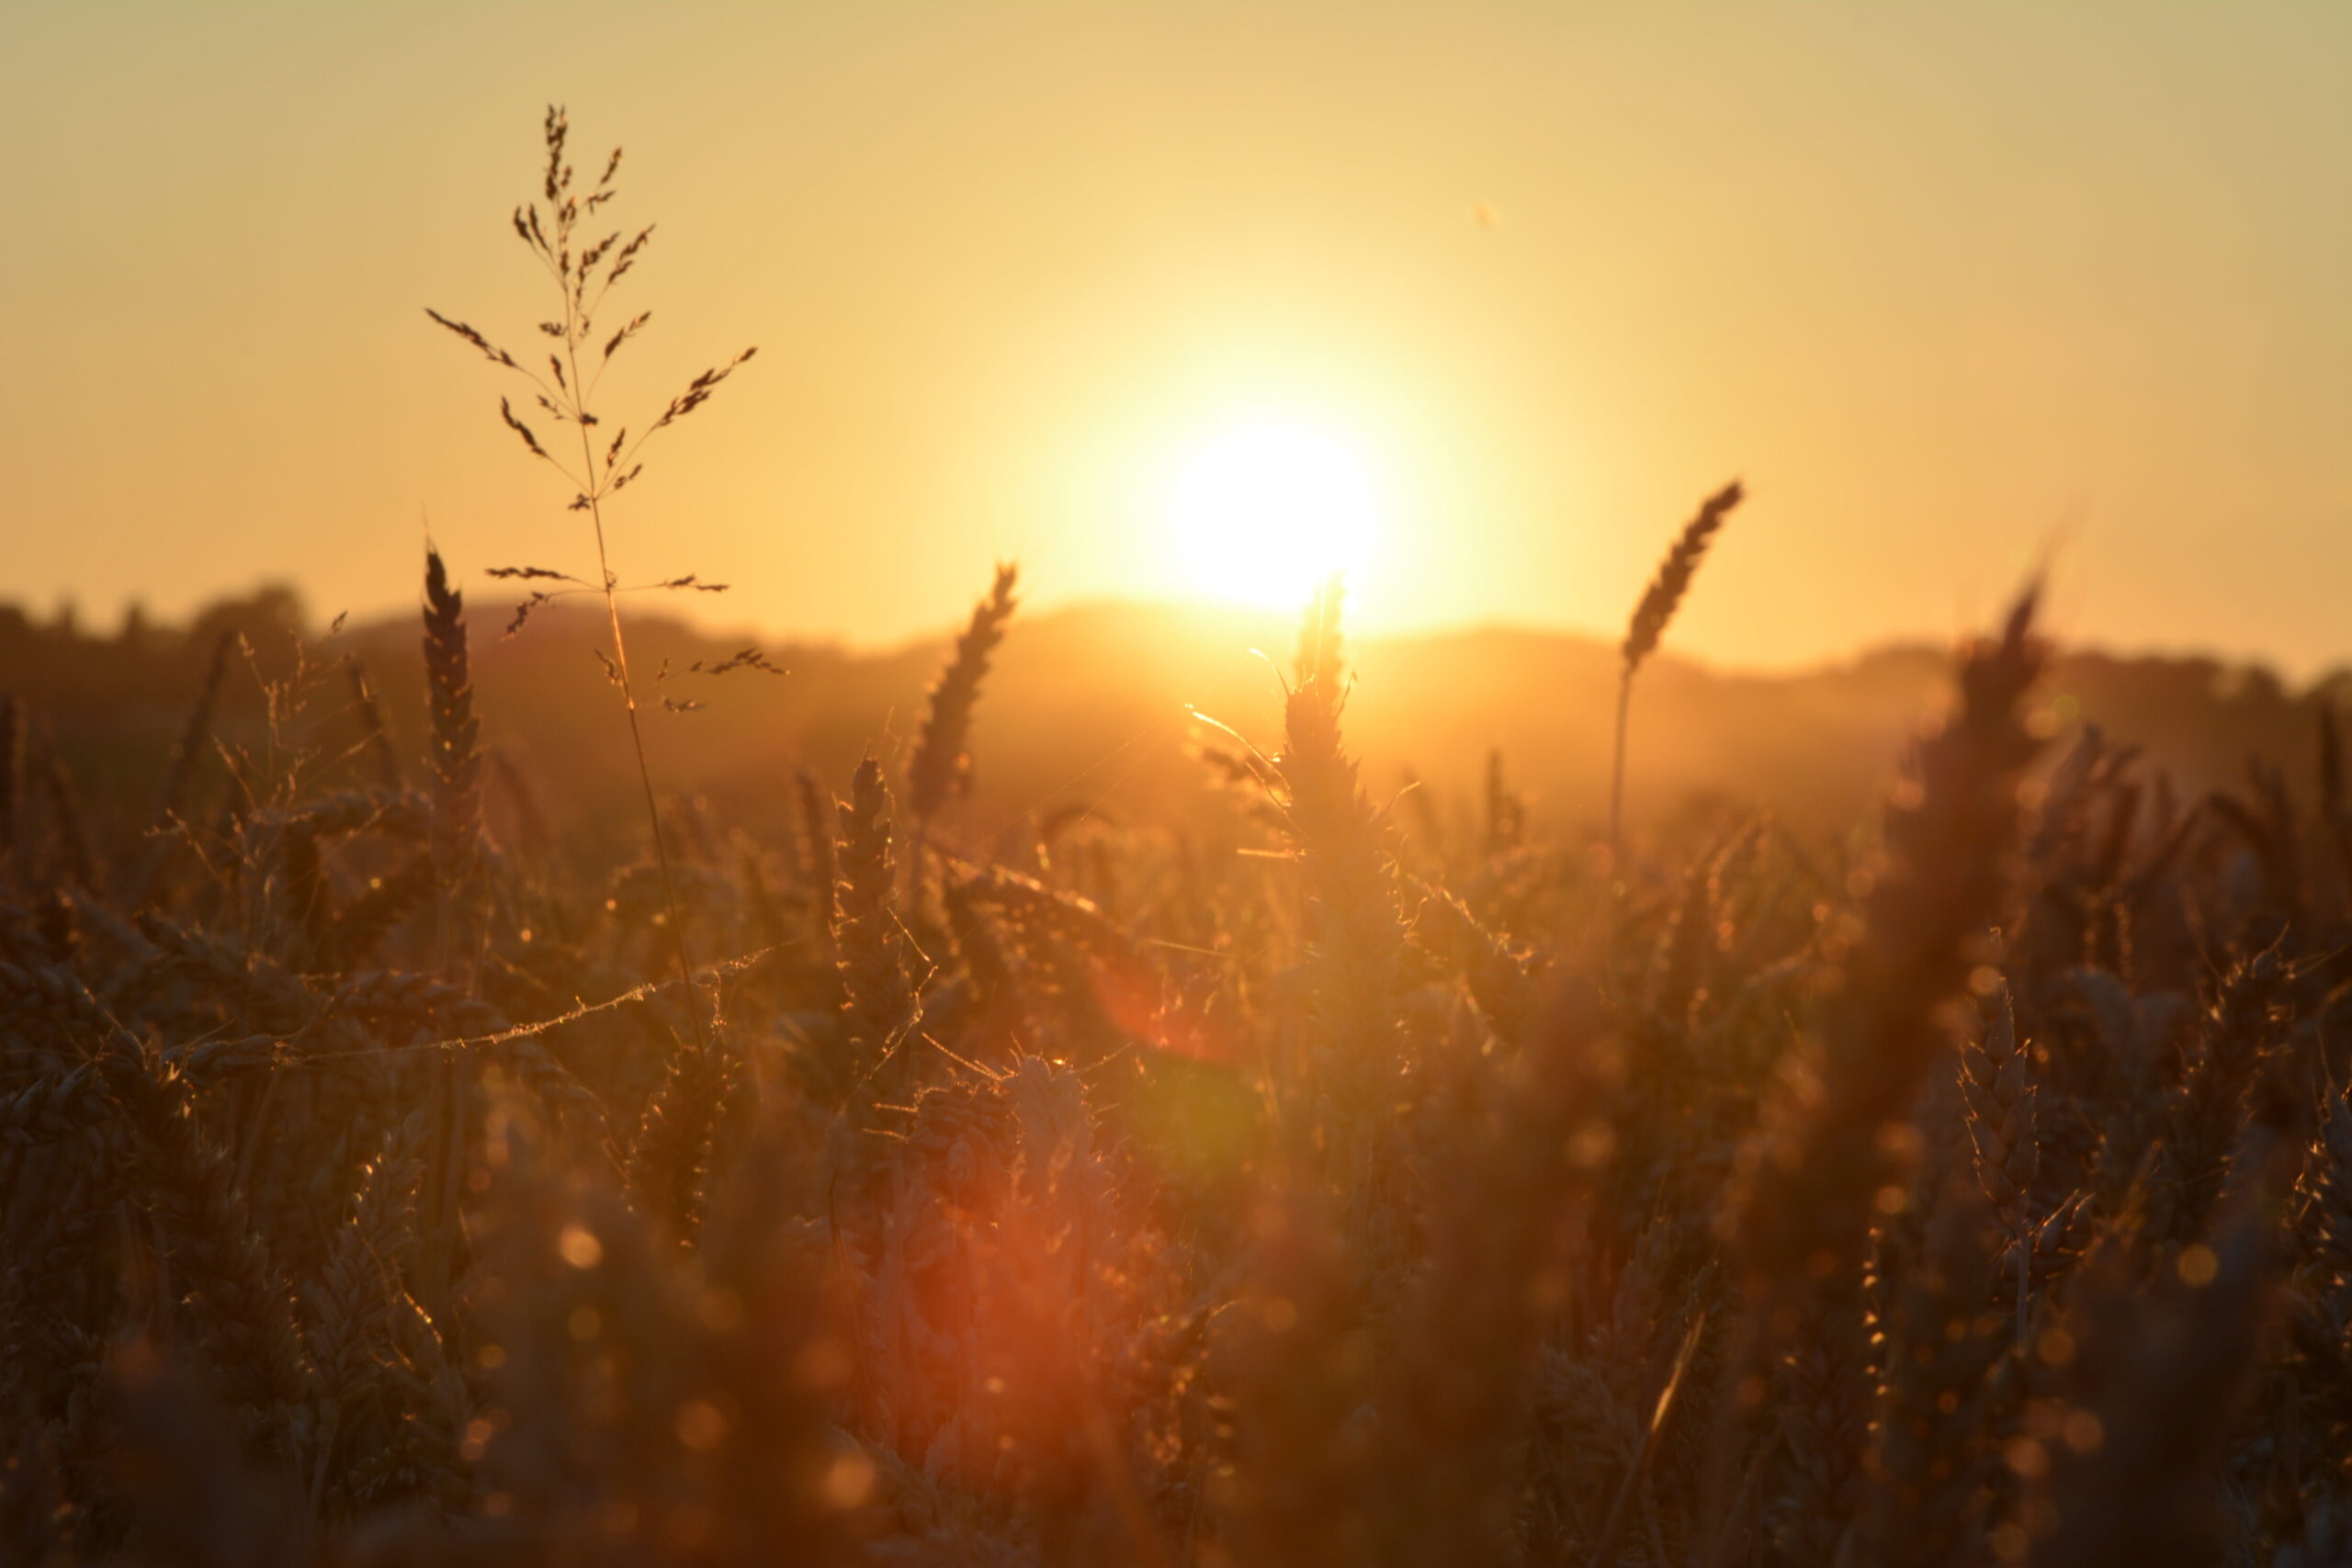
(1951, 286)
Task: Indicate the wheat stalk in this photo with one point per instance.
(1656, 608)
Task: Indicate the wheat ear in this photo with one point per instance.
(1658, 603)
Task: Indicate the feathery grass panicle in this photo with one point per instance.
(584, 271)
(940, 768)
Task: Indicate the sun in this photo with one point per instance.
(1269, 505)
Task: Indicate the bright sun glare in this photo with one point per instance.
(1269, 505)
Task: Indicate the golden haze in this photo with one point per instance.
(1947, 284)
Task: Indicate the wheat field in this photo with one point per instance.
(390, 1179)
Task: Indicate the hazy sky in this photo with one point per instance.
(1951, 286)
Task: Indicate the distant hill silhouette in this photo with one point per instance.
(1094, 706)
